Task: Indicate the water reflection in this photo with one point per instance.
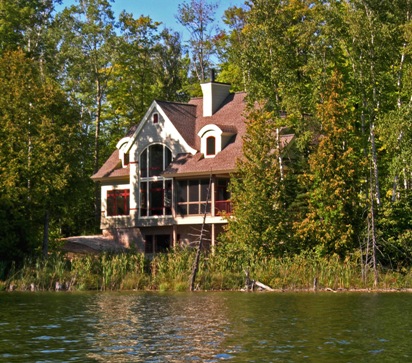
(205, 327)
(160, 328)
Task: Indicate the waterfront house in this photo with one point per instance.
(155, 185)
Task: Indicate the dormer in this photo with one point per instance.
(123, 153)
(214, 94)
(213, 139)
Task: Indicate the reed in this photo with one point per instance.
(171, 272)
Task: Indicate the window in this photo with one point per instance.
(157, 243)
(118, 202)
(211, 145)
(126, 160)
(155, 118)
(154, 160)
(155, 191)
(192, 196)
(222, 197)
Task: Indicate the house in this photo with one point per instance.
(154, 187)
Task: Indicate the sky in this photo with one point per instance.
(162, 10)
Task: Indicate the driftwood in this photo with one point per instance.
(263, 286)
(250, 284)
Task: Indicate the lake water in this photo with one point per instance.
(205, 327)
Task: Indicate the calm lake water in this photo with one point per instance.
(205, 327)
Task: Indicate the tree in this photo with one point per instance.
(38, 154)
(23, 25)
(197, 17)
(230, 45)
(87, 51)
(258, 224)
(334, 211)
(149, 66)
(171, 67)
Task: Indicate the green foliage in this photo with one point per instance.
(333, 179)
(38, 155)
(23, 25)
(130, 271)
(258, 192)
(149, 65)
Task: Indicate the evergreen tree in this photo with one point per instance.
(259, 223)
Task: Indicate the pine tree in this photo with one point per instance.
(258, 224)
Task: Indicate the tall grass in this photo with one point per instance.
(171, 271)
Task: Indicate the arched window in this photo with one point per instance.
(211, 145)
(153, 160)
(155, 191)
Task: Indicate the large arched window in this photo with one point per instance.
(155, 191)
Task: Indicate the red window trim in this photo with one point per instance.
(155, 118)
(115, 209)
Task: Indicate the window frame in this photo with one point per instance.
(223, 203)
(211, 145)
(153, 187)
(155, 118)
(114, 209)
(192, 195)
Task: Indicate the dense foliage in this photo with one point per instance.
(335, 74)
(168, 272)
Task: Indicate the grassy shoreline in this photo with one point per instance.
(171, 272)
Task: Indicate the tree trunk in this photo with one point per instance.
(45, 248)
(97, 149)
(195, 267)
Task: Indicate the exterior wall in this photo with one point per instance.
(187, 234)
(163, 133)
(127, 237)
(114, 221)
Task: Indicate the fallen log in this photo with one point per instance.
(250, 284)
(263, 286)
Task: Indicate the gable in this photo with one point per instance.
(167, 123)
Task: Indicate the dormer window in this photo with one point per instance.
(125, 159)
(214, 138)
(211, 146)
(155, 118)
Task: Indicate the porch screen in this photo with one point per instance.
(192, 195)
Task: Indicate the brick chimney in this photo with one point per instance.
(214, 93)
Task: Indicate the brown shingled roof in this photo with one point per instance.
(229, 118)
(112, 168)
(183, 117)
(230, 115)
(188, 120)
(223, 162)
